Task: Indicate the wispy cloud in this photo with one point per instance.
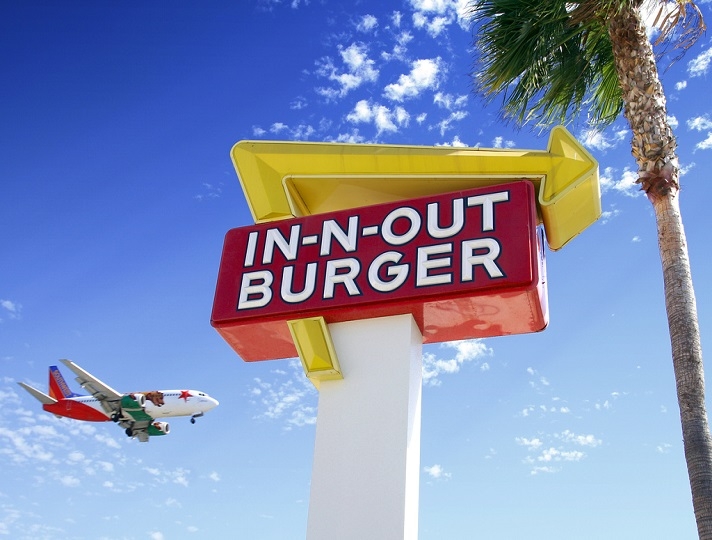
(400, 47)
(210, 191)
(288, 397)
(10, 309)
(597, 139)
(470, 350)
(562, 447)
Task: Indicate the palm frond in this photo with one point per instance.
(544, 66)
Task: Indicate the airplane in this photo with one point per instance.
(136, 412)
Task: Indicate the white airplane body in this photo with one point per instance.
(135, 412)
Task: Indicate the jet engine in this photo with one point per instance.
(163, 427)
(140, 399)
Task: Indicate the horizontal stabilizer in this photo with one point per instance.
(39, 396)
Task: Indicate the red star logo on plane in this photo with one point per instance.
(185, 394)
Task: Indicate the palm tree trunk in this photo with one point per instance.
(686, 357)
(653, 147)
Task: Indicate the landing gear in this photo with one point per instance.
(197, 415)
(115, 416)
(129, 432)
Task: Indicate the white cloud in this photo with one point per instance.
(672, 121)
(500, 142)
(302, 132)
(531, 444)
(449, 101)
(706, 144)
(214, 476)
(456, 142)
(686, 168)
(608, 215)
(554, 454)
(298, 104)
(10, 308)
(625, 185)
(681, 85)
(424, 75)
(367, 23)
(565, 450)
(28, 443)
(290, 397)
(361, 113)
(466, 351)
(581, 440)
(699, 123)
(69, 480)
(397, 18)
(278, 127)
(435, 15)
(436, 471)
(383, 118)
(447, 123)
(544, 469)
(400, 48)
(210, 191)
(351, 137)
(593, 138)
(699, 65)
(359, 69)
(605, 405)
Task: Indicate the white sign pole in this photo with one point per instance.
(366, 472)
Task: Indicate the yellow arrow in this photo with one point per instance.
(289, 179)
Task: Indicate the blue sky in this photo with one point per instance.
(117, 189)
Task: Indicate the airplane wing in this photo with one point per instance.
(91, 384)
(109, 398)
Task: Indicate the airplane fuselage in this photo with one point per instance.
(159, 404)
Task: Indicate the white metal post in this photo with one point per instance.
(366, 472)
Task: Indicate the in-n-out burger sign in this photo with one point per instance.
(465, 264)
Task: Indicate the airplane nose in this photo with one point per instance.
(214, 403)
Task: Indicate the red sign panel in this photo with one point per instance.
(465, 264)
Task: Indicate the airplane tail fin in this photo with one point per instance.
(58, 388)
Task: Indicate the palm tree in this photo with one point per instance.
(550, 60)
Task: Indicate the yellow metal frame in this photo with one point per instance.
(316, 350)
(282, 180)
